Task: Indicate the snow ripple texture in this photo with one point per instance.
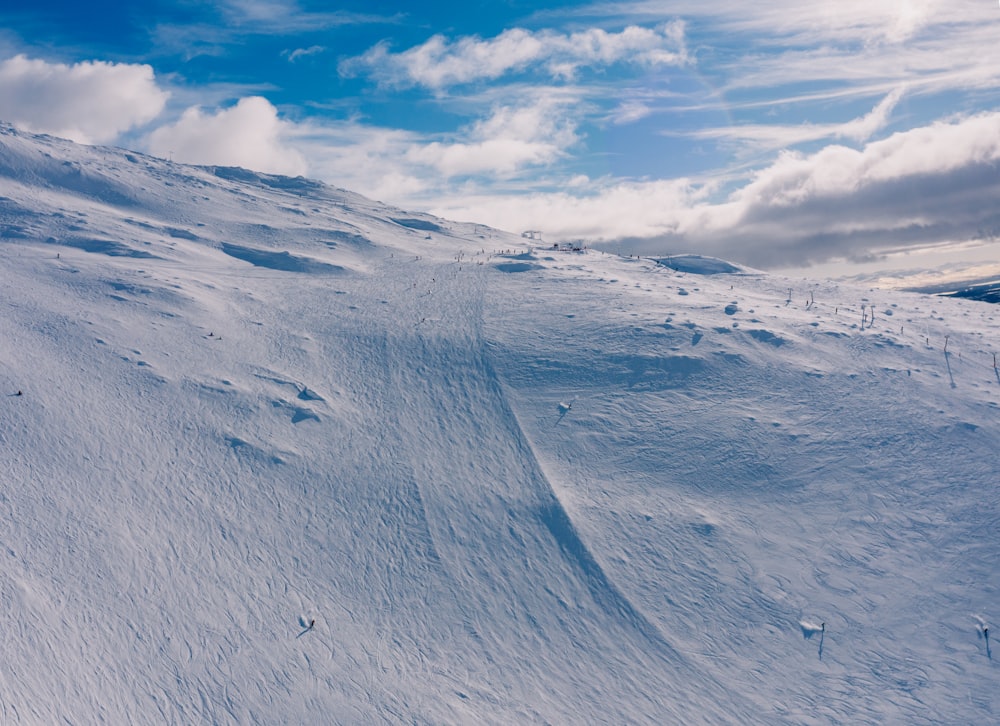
(275, 453)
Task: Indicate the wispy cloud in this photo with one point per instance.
(630, 111)
(294, 55)
(88, 102)
(439, 63)
(791, 22)
(847, 21)
(929, 45)
(275, 17)
(960, 58)
(260, 10)
(207, 36)
(863, 128)
(771, 137)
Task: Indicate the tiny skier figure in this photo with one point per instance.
(312, 623)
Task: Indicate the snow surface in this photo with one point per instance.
(509, 484)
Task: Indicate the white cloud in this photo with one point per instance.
(777, 136)
(924, 186)
(408, 168)
(630, 112)
(88, 102)
(365, 159)
(597, 212)
(284, 17)
(512, 163)
(249, 134)
(846, 46)
(294, 55)
(510, 139)
(260, 10)
(931, 151)
(854, 21)
(439, 63)
(244, 22)
(859, 21)
(931, 184)
(862, 129)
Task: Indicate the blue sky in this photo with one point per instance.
(775, 134)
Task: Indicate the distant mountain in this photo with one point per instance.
(984, 292)
(272, 452)
(967, 286)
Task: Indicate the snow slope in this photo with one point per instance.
(509, 484)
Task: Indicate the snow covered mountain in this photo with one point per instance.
(275, 453)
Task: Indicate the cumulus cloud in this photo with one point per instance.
(88, 102)
(925, 186)
(366, 159)
(597, 213)
(439, 63)
(506, 146)
(249, 134)
(938, 150)
(510, 139)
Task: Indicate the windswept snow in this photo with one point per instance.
(699, 265)
(283, 454)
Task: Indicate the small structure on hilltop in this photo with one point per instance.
(534, 234)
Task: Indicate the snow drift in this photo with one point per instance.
(596, 490)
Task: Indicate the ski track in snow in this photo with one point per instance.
(808, 509)
(535, 487)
